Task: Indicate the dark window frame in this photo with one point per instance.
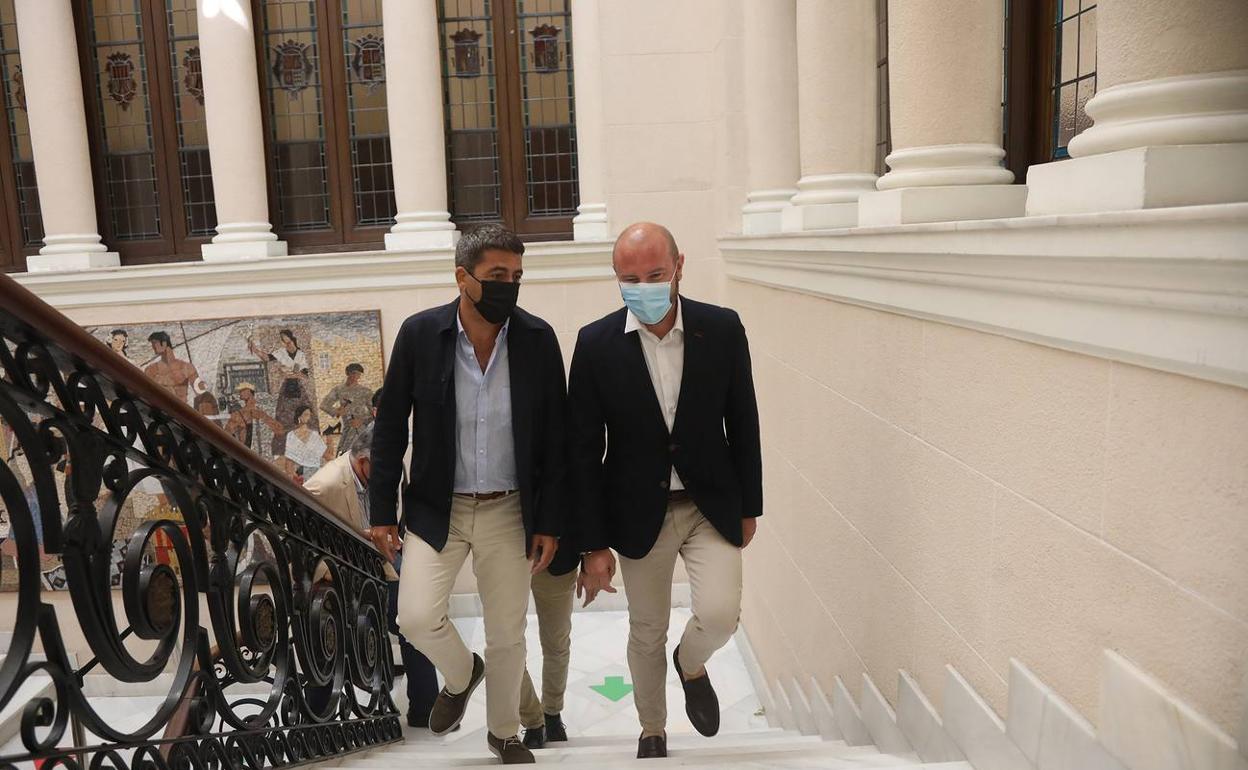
(175, 243)
(14, 246)
(1031, 70)
(509, 107)
(344, 232)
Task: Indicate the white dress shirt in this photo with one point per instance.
(665, 359)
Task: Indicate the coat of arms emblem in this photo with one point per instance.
(546, 54)
(122, 86)
(194, 78)
(467, 53)
(368, 63)
(292, 67)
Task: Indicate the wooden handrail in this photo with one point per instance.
(71, 338)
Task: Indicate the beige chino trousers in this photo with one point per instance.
(552, 598)
(493, 531)
(714, 567)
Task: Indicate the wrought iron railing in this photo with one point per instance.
(291, 661)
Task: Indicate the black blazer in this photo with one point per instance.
(621, 499)
(420, 384)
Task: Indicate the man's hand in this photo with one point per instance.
(597, 570)
(541, 551)
(748, 528)
(387, 540)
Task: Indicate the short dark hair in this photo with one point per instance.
(474, 243)
(122, 332)
(288, 334)
(161, 337)
(376, 397)
(355, 368)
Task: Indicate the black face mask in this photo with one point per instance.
(498, 299)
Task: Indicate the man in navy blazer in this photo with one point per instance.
(482, 383)
(666, 461)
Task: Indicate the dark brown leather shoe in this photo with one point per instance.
(652, 747)
(448, 709)
(510, 750)
(701, 702)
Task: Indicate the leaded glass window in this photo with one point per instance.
(127, 146)
(194, 166)
(546, 94)
(470, 91)
(510, 113)
(291, 51)
(883, 130)
(363, 44)
(1074, 70)
(21, 225)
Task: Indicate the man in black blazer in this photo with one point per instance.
(666, 461)
(482, 384)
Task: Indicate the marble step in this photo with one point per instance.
(419, 741)
(826, 756)
(578, 746)
(832, 754)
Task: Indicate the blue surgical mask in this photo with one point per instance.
(650, 302)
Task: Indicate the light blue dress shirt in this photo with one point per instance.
(486, 447)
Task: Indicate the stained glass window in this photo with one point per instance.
(470, 104)
(24, 192)
(363, 44)
(883, 129)
(547, 106)
(188, 100)
(510, 113)
(1074, 71)
(291, 52)
(118, 54)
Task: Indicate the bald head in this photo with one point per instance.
(646, 253)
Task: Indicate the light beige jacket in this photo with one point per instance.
(334, 487)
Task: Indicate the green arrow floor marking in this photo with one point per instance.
(613, 688)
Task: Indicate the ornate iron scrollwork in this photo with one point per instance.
(296, 604)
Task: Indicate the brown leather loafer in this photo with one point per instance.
(701, 702)
(448, 709)
(652, 747)
(510, 750)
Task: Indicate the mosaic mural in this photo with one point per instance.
(294, 388)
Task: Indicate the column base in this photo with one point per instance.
(422, 230)
(242, 251)
(409, 240)
(1140, 178)
(761, 215)
(819, 216)
(952, 203)
(71, 260)
(590, 223)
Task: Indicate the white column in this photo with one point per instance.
(944, 75)
(770, 112)
(1170, 117)
(58, 136)
(227, 51)
(836, 112)
(417, 128)
(590, 222)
